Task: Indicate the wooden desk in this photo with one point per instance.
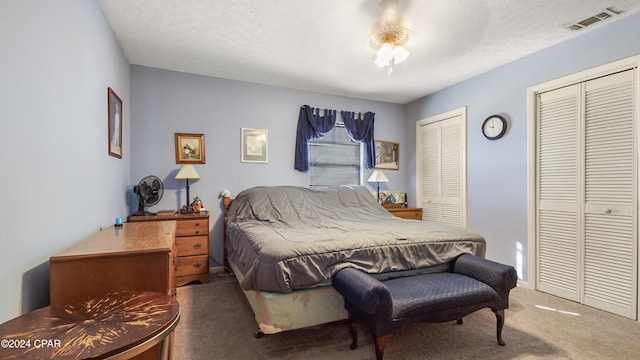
(113, 326)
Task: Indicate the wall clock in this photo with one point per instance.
(494, 127)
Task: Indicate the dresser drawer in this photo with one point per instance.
(416, 215)
(407, 213)
(192, 245)
(190, 265)
(192, 227)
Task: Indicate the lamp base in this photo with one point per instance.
(188, 206)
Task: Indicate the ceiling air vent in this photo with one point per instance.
(605, 14)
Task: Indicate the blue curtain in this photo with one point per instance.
(360, 129)
(311, 125)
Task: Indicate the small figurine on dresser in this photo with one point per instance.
(197, 205)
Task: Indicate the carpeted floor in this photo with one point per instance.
(217, 323)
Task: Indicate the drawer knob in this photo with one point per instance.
(197, 224)
(197, 246)
(197, 265)
(197, 231)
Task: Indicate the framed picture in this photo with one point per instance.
(115, 123)
(189, 148)
(387, 155)
(254, 145)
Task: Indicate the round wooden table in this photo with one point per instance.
(118, 325)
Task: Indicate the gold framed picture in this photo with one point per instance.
(189, 148)
(387, 155)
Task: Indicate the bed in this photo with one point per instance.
(284, 244)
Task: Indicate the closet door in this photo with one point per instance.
(610, 203)
(429, 196)
(441, 165)
(587, 198)
(451, 171)
(559, 189)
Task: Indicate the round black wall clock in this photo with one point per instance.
(494, 127)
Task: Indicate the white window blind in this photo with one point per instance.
(335, 159)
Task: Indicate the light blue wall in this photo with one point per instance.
(58, 183)
(165, 102)
(497, 170)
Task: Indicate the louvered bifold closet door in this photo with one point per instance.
(430, 172)
(559, 124)
(442, 171)
(610, 264)
(451, 171)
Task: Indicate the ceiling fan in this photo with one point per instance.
(389, 36)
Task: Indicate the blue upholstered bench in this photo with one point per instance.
(473, 283)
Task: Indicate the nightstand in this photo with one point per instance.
(192, 245)
(406, 213)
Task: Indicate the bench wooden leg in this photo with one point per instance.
(381, 343)
(500, 325)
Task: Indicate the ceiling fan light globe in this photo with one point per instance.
(384, 55)
(400, 54)
(381, 63)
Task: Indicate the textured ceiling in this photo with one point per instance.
(324, 45)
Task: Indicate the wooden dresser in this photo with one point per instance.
(134, 257)
(406, 213)
(192, 245)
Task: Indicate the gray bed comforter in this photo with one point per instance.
(284, 238)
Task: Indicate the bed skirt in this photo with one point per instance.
(276, 312)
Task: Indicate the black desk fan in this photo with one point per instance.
(149, 191)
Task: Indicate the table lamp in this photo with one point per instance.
(378, 177)
(187, 172)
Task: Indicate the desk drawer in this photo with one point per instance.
(192, 245)
(192, 227)
(190, 265)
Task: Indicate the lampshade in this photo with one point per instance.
(187, 172)
(378, 176)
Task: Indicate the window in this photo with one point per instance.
(335, 159)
